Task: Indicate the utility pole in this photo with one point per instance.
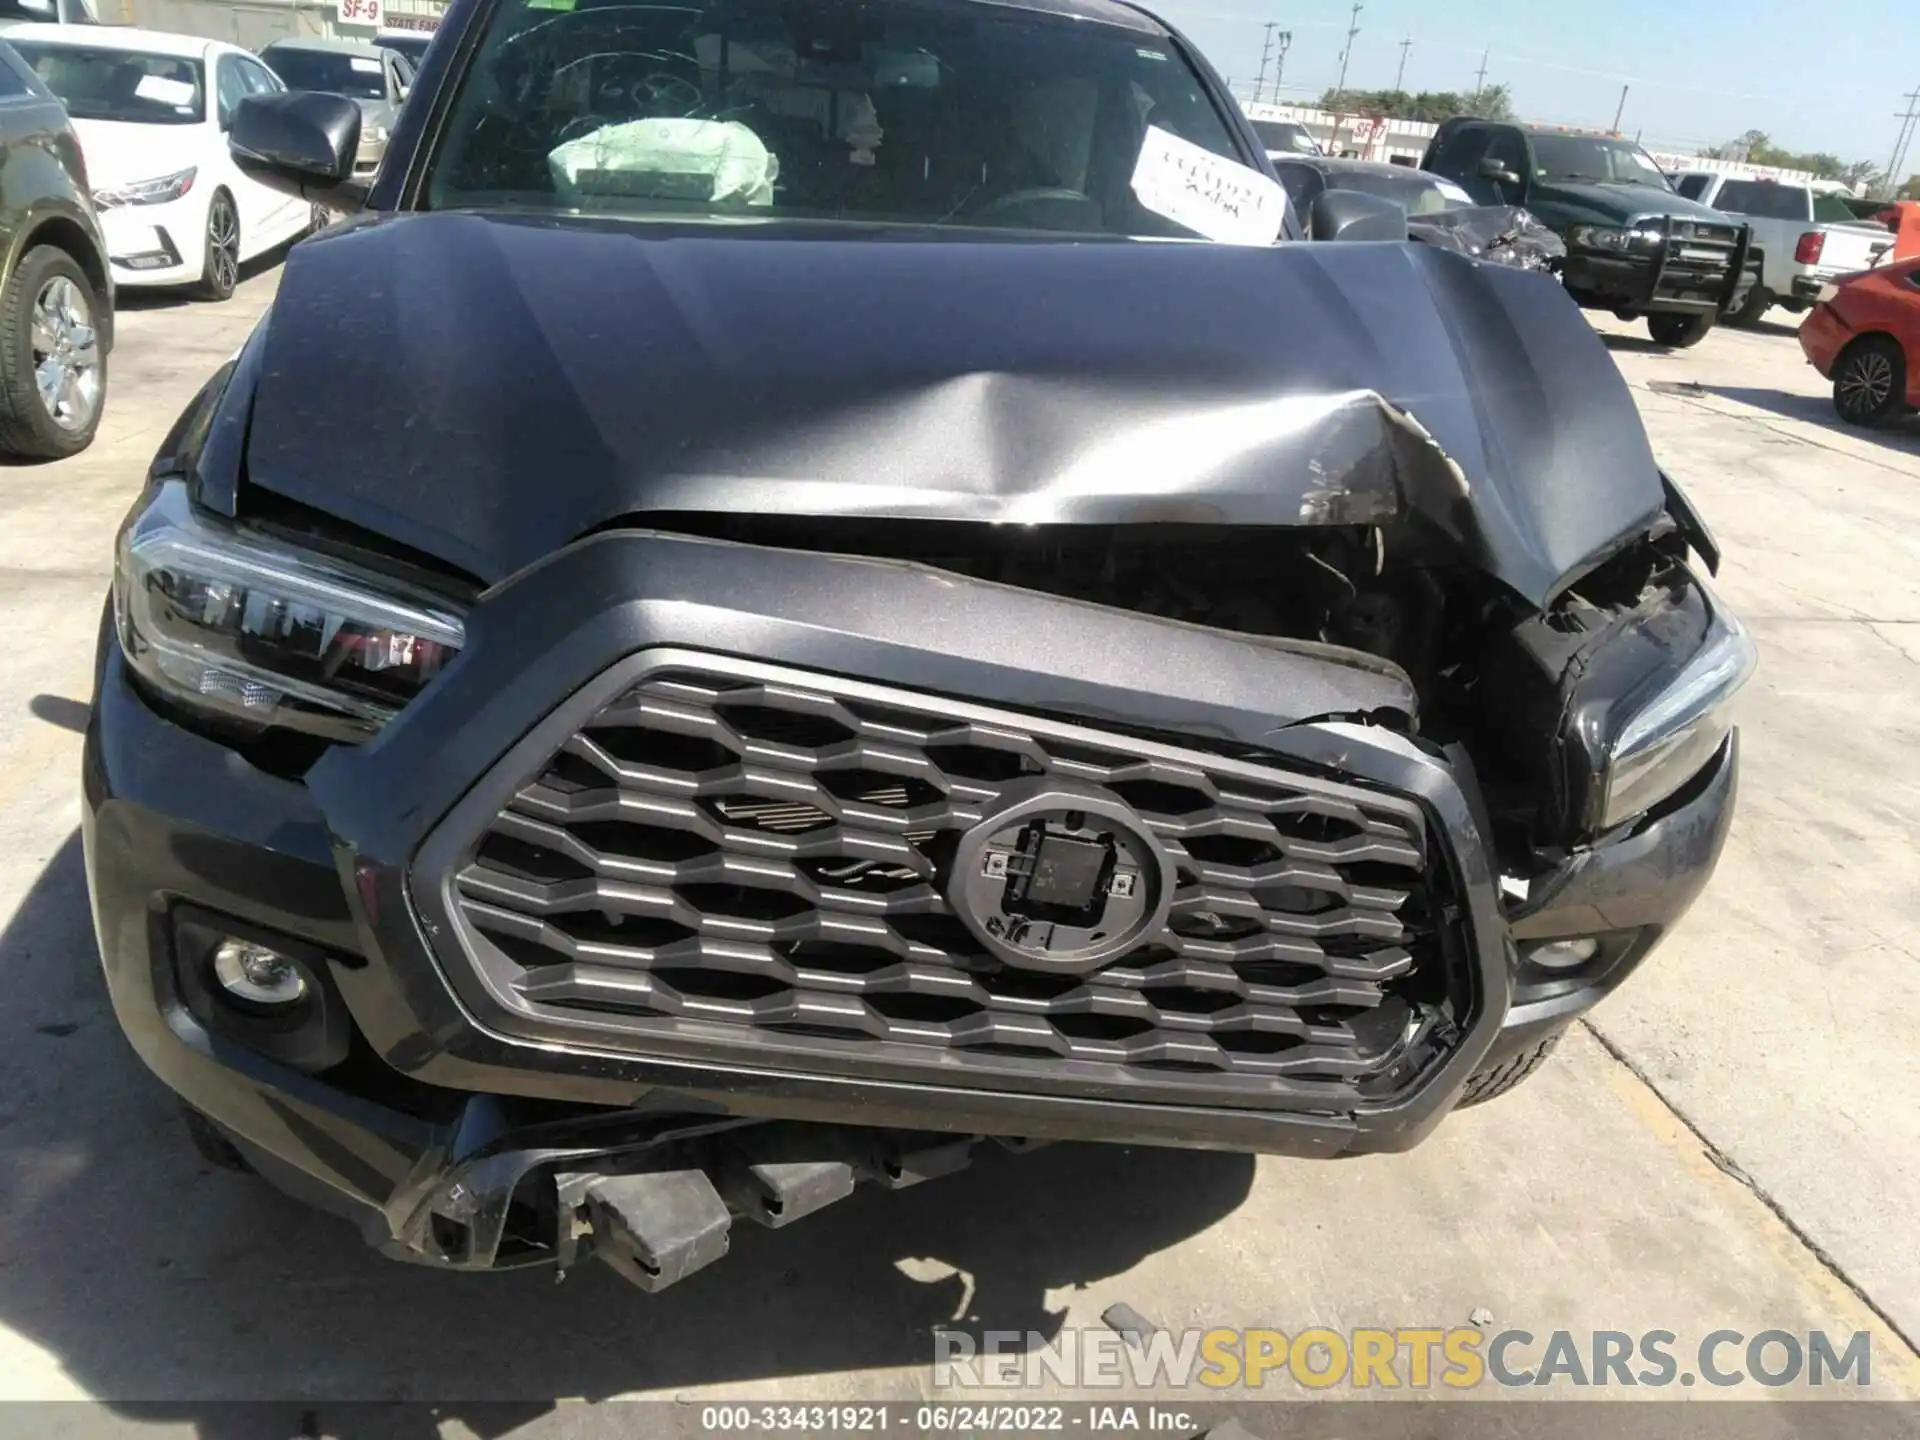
(1622, 110)
(1900, 145)
(1266, 54)
(1283, 42)
(1400, 75)
(1353, 29)
(1480, 80)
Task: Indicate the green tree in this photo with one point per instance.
(1494, 102)
(1756, 147)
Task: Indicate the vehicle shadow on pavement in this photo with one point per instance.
(1813, 409)
(145, 1276)
(181, 297)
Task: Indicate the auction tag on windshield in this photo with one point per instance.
(1212, 196)
(363, 66)
(163, 91)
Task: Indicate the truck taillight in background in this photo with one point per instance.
(1807, 252)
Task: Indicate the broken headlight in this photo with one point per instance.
(1665, 742)
(248, 630)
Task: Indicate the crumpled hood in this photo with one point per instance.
(487, 389)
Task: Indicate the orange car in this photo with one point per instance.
(1863, 334)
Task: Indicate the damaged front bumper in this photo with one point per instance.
(475, 1101)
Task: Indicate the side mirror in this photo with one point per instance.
(1496, 171)
(1352, 215)
(300, 143)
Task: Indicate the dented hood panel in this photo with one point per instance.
(487, 389)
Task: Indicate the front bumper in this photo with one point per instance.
(156, 245)
(1675, 275)
(447, 1092)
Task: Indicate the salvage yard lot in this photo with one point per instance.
(1733, 1141)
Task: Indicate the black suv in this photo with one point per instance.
(56, 298)
(837, 649)
(1634, 246)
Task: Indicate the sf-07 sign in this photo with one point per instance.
(358, 12)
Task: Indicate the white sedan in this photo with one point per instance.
(152, 111)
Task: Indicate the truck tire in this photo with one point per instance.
(1759, 298)
(1679, 332)
(1497, 1080)
(1870, 381)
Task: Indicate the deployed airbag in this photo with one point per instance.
(708, 160)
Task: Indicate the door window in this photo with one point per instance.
(229, 85)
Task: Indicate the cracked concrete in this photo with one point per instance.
(1731, 1144)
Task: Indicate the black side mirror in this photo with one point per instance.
(301, 143)
(1496, 171)
(1352, 215)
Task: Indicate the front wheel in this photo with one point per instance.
(1752, 308)
(1870, 381)
(1679, 332)
(53, 373)
(222, 270)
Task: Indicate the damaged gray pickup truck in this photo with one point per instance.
(816, 646)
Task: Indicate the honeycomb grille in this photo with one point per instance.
(754, 858)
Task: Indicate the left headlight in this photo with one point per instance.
(1667, 741)
(240, 627)
(147, 192)
(1608, 237)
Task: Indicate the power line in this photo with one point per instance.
(1906, 137)
(1266, 53)
(1346, 54)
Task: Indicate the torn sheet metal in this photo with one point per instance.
(1504, 234)
(653, 369)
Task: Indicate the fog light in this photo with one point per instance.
(257, 975)
(1562, 954)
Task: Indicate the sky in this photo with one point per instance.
(1699, 71)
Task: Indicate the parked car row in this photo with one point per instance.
(119, 175)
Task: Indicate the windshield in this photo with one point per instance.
(1592, 157)
(920, 112)
(1834, 209)
(1763, 200)
(414, 47)
(124, 85)
(1413, 192)
(359, 77)
(1285, 135)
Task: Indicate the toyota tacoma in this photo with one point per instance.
(816, 646)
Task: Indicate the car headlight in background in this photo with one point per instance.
(244, 628)
(374, 135)
(1609, 237)
(1669, 739)
(147, 192)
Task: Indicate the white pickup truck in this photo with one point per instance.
(1808, 238)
